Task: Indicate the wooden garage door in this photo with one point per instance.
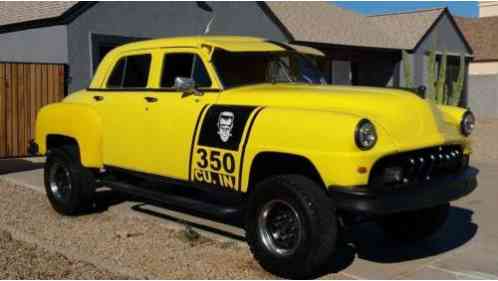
(24, 89)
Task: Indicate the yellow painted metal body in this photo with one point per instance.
(315, 122)
(78, 121)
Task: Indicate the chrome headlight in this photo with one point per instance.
(365, 135)
(468, 123)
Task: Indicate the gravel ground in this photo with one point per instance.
(114, 241)
(485, 141)
(21, 260)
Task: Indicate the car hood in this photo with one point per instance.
(410, 120)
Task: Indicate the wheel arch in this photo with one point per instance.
(266, 164)
(56, 141)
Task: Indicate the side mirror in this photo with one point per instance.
(186, 85)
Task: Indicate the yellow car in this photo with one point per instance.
(246, 128)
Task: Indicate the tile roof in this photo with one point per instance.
(407, 28)
(12, 12)
(326, 23)
(482, 34)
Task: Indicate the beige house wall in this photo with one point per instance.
(483, 68)
(488, 9)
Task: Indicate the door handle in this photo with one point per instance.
(151, 99)
(98, 98)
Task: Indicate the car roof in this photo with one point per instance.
(228, 43)
(190, 41)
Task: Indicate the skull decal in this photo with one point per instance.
(225, 125)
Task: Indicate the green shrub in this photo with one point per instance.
(441, 95)
(431, 79)
(458, 84)
(407, 70)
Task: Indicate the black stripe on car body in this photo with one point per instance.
(248, 134)
(193, 141)
(223, 127)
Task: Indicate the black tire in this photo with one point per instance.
(64, 164)
(415, 225)
(318, 231)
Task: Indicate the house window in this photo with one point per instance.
(130, 72)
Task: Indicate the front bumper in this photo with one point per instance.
(408, 197)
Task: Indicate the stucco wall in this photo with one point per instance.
(483, 68)
(483, 95)
(443, 37)
(43, 45)
(159, 19)
(488, 9)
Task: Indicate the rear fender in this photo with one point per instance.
(77, 121)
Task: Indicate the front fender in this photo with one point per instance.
(77, 121)
(325, 138)
(452, 114)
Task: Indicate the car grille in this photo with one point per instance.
(417, 166)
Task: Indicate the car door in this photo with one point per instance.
(173, 116)
(121, 104)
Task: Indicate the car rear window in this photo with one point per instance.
(130, 72)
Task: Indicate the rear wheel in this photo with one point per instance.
(70, 187)
(291, 226)
(415, 225)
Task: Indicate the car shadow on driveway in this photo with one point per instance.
(106, 198)
(8, 166)
(367, 241)
(142, 208)
(458, 230)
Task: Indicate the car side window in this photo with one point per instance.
(130, 72)
(184, 65)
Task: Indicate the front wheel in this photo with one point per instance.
(415, 225)
(70, 187)
(291, 226)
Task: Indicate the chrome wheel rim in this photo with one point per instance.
(60, 182)
(280, 228)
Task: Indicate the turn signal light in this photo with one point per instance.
(362, 170)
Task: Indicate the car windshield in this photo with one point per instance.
(237, 69)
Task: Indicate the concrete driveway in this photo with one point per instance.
(466, 248)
